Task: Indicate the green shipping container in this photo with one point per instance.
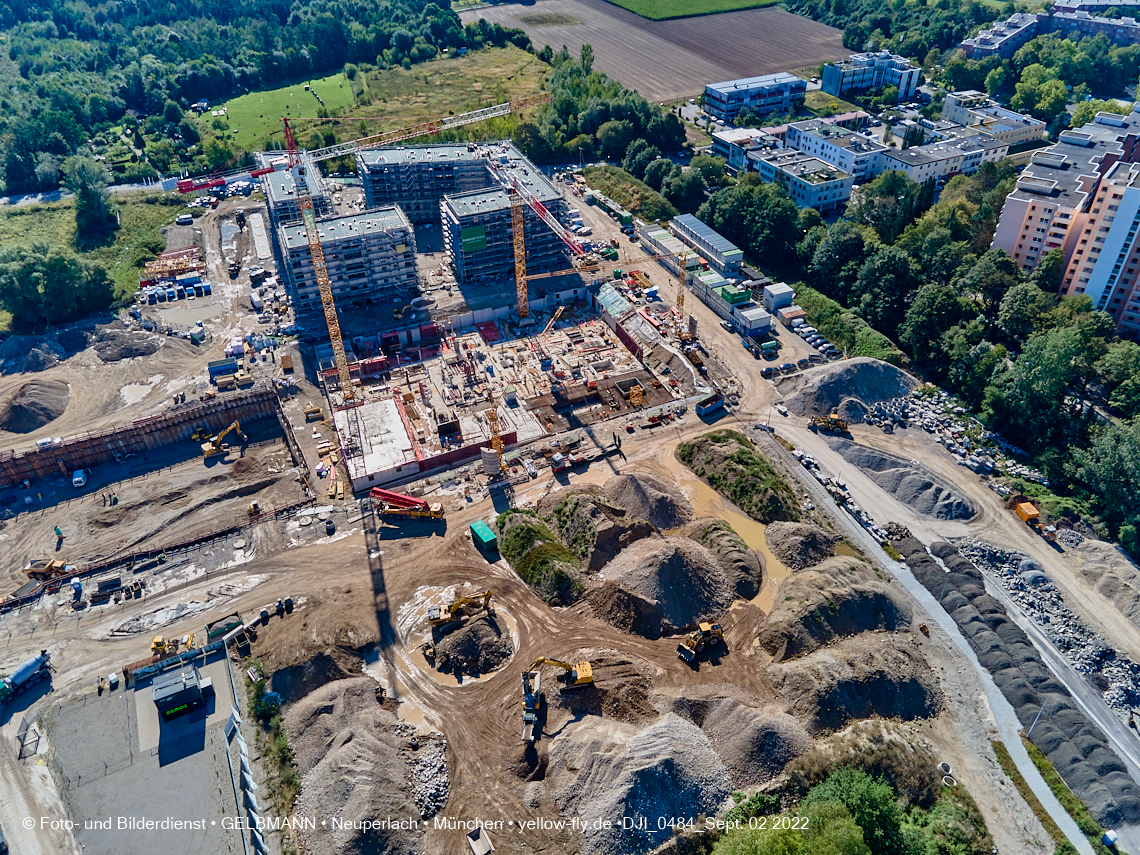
(483, 536)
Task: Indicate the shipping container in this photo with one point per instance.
(483, 537)
(710, 404)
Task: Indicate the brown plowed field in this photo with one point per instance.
(667, 60)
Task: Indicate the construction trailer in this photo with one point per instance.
(483, 537)
(179, 692)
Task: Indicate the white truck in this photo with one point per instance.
(79, 478)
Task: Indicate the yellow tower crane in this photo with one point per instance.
(493, 424)
(518, 234)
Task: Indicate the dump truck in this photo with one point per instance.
(27, 674)
(700, 639)
(577, 676)
(532, 704)
(41, 569)
(449, 617)
(830, 422)
(392, 504)
(1029, 515)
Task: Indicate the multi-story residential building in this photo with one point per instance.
(723, 255)
(416, 178)
(733, 144)
(944, 159)
(810, 182)
(850, 152)
(1079, 24)
(974, 109)
(865, 71)
(368, 255)
(281, 193)
(1004, 39)
(769, 93)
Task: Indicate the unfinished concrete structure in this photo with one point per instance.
(417, 178)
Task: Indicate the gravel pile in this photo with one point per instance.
(799, 545)
(605, 770)
(116, 341)
(648, 498)
(910, 483)
(42, 358)
(430, 781)
(357, 761)
(744, 567)
(480, 646)
(755, 746)
(1075, 746)
(863, 382)
(1028, 585)
(1068, 537)
(1112, 572)
(38, 403)
(680, 581)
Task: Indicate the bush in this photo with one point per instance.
(635, 196)
(846, 329)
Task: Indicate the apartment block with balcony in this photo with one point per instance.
(862, 72)
(849, 152)
(416, 178)
(770, 93)
(810, 182)
(1004, 39)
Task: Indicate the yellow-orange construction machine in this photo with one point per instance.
(577, 676)
(831, 423)
(699, 640)
(449, 616)
(215, 445)
(1032, 518)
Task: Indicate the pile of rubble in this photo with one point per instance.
(837, 489)
(1069, 538)
(1026, 583)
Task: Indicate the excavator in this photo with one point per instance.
(215, 446)
(704, 636)
(829, 423)
(577, 676)
(445, 618)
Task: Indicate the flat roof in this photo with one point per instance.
(779, 77)
(280, 186)
(172, 682)
(715, 239)
(386, 442)
(355, 225)
(440, 153)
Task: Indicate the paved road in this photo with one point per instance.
(1006, 720)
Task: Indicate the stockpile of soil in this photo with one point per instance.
(592, 526)
(743, 566)
(649, 498)
(604, 770)
(755, 746)
(730, 463)
(540, 558)
(114, 341)
(358, 762)
(296, 681)
(624, 610)
(869, 675)
(38, 403)
(840, 597)
(1113, 573)
(861, 381)
(480, 646)
(912, 484)
(42, 358)
(1075, 746)
(679, 582)
(799, 545)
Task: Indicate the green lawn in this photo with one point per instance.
(822, 104)
(635, 196)
(382, 100)
(660, 10)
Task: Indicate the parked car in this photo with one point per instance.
(770, 371)
(816, 358)
(804, 363)
(728, 326)
(787, 368)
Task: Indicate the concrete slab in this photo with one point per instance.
(152, 731)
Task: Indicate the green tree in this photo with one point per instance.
(638, 155)
(1047, 274)
(1086, 111)
(871, 802)
(1109, 468)
(1120, 363)
(45, 285)
(990, 278)
(586, 56)
(830, 830)
(614, 137)
(710, 168)
(87, 178)
(881, 289)
(657, 172)
(189, 132)
(1020, 308)
(685, 190)
(995, 80)
(171, 112)
(934, 310)
(837, 258)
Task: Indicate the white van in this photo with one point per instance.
(185, 220)
(79, 478)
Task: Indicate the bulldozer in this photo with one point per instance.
(700, 639)
(449, 617)
(42, 569)
(830, 422)
(254, 509)
(313, 413)
(577, 676)
(200, 434)
(214, 445)
(158, 645)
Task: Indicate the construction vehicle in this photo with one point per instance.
(577, 676)
(398, 505)
(29, 672)
(200, 434)
(41, 569)
(452, 615)
(158, 645)
(830, 422)
(1032, 518)
(701, 638)
(254, 509)
(550, 324)
(215, 445)
(532, 704)
(313, 413)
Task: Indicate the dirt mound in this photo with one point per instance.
(871, 675)
(42, 358)
(864, 381)
(730, 463)
(799, 545)
(38, 403)
(478, 647)
(1113, 573)
(680, 581)
(592, 527)
(744, 567)
(754, 745)
(649, 498)
(841, 597)
(624, 610)
(72, 340)
(358, 762)
(605, 770)
(910, 483)
(296, 681)
(114, 341)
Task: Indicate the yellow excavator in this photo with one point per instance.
(704, 636)
(577, 676)
(215, 446)
(439, 616)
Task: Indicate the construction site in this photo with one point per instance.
(474, 556)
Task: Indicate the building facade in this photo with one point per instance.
(850, 152)
(1005, 38)
(417, 178)
(865, 71)
(769, 93)
(281, 193)
(810, 182)
(721, 253)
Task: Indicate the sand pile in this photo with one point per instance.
(743, 566)
(754, 745)
(357, 761)
(480, 646)
(799, 545)
(912, 484)
(115, 341)
(605, 770)
(1113, 573)
(841, 597)
(861, 381)
(679, 582)
(870, 675)
(649, 498)
(38, 403)
(592, 526)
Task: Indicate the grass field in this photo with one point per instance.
(381, 100)
(822, 104)
(663, 10)
(635, 196)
